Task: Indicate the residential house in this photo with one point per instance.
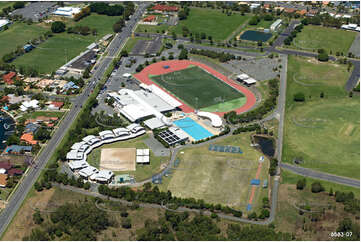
(31, 128)
(9, 78)
(15, 172)
(28, 138)
(5, 165)
(3, 180)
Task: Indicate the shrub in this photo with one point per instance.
(57, 27)
(317, 187)
(299, 97)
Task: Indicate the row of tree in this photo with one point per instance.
(257, 113)
(221, 56)
(293, 35)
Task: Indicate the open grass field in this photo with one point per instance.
(45, 113)
(211, 22)
(60, 48)
(142, 172)
(316, 37)
(217, 177)
(18, 34)
(288, 218)
(197, 88)
(315, 128)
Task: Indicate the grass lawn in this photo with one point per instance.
(216, 177)
(43, 113)
(5, 4)
(315, 128)
(262, 24)
(194, 82)
(316, 37)
(212, 22)
(142, 172)
(131, 43)
(18, 34)
(63, 47)
(288, 218)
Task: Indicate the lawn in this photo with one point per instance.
(61, 48)
(43, 113)
(153, 28)
(316, 37)
(142, 172)
(212, 22)
(315, 128)
(217, 177)
(18, 34)
(197, 88)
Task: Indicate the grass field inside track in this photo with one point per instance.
(324, 132)
(63, 47)
(330, 39)
(197, 87)
(218, 177)
(142, 172)
(18, 34)
(211, 22)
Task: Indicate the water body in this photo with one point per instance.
(266, 145)
(7, 127)
(252, 35)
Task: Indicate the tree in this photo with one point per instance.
(126, 223)
(316, 187)
(322, 95)
(183, 54)
(18, 5)
(330, 192)
(37, 218)
(299, 97)
(86, 186)
(301, 184)
(38, 187)
(323, 56)
(58, 27)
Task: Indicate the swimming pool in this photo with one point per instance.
(192, 128)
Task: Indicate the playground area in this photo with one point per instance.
(183, 79)
(219, 177)
(118, 159)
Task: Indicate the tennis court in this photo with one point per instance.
(227, 148)
(192, 128)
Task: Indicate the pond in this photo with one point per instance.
(252, 35)
(7, 126)
(266, 145)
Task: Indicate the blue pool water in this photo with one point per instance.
(192, 128)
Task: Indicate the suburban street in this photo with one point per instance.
(33, 173)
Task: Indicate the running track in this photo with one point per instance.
(177, 65)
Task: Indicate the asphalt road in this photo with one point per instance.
(19, 195)
(321, 175)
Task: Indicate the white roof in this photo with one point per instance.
(242, 76)
(67, 11)
(134, 127)
(76, 146)
(179, 132)
(142, 152)
(102, 175)
(120, 131)
(74, 155)
(215, 119)
(30, 104)
(88, 171)
(106, 133)
(4, 22)
(142, 159)
(2, 171)
(250, 80)
(91, 139)
(127, 75)
(154, 123)
(347, 16)
(165, 96)
(135, 111)
(78, 164)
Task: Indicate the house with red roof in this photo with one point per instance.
(5, 165)
(8, 78)
(165, 8)
(150, 18)
(28, 138)
(15, 172)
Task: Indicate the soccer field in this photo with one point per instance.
(197, 87)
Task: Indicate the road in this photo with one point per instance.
(321, 175)
(21, 192)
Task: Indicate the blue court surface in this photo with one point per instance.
(249, 207)
(192, 128)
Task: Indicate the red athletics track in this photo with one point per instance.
(177, 65)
